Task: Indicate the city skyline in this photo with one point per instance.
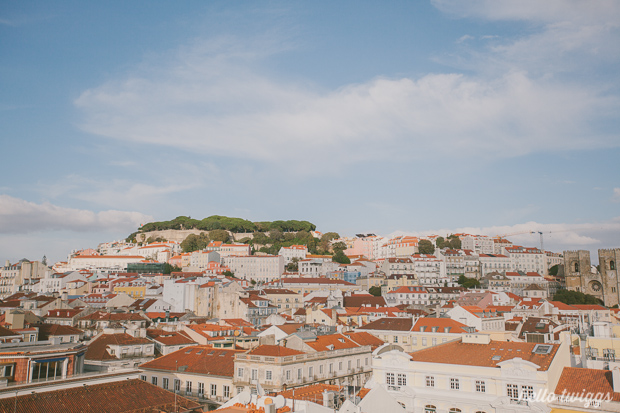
(438, 117)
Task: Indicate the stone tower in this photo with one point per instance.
(579, 276)
(608, 267)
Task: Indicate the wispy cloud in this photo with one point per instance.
(20, 216)
(616, 195)
(464, 38)
(212, 99)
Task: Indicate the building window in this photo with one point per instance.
(396, 339)
(188, 387)
(434, 341)
(430, 381)
(310, 371)
(213, 390)
(164, 383)
(424, 341)
(268, 375)
(240, 372)
(512, 391)
(331, 367)
(480, 386)
(254, 374)
(454, 384)
(389, 379)
(177, 385)
(527, 392)
(201, 388)
(455, 410)
(226, 392)
(299, 374)
(288, 374)
(143, 378)
(154, 380)
(430, 409)
(340, 366)
(402, 379)
(321, 369)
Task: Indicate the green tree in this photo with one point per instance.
(455, 242)
(468, 282)
(171, 268)
(219, 235)
(376, 291)
(293, 266)
(440, 242)
(426, 247)
(195, 242)
(575, 297)
(554, 270)
(339, 246)
(229, 274)
(340, 258)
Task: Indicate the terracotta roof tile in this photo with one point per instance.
(116, 397)
(578, 381)
(484, 355)
(197, 359)
(274, 351)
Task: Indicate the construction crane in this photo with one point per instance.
(503, 236)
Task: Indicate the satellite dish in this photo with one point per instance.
(245, 397)
(279, 401)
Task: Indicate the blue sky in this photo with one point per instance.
(408, 117)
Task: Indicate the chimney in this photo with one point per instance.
(328, 399)
(615, 375)
(270, 408)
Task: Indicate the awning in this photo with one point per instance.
(49, 360)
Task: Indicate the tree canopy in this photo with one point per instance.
(426, 247)
(375, 290)
(468, 282)
(226, 223)
(575, 297)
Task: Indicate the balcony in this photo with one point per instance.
(519, 402)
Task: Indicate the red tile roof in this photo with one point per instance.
(98, 349)
(117, 397)
(274, 351)
(470, 354)
(576, 381)
(332, 342)
(197, 359)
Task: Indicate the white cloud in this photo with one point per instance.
(464, 38)
(562, 35)
(616, 195)
(208, 100)
(20, 216)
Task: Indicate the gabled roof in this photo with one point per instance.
(197, 359)
(47, 330)
(575, 381)
(440, 325)
(116, 397)
(332, 342)
(169, 338)
(390, 324)
(274, 351)
(98, 349)
(365, 339)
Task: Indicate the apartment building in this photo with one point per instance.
(196, 371)
(260, 268)
(527, 259)
(333, 358)
(473, 374)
